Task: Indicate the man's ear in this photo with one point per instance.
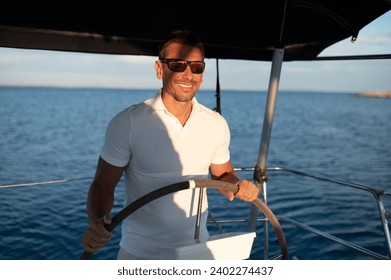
(159, 69)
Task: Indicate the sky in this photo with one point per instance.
(23, 67)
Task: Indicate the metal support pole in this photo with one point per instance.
(260, 170)
(278, 57)
(218, 106)
(198, 220)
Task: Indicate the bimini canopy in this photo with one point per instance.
(247, 30)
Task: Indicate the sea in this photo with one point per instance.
(50, 139)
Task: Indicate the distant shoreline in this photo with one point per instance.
(375, 94)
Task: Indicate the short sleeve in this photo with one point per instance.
(116, 148)
(222, 154)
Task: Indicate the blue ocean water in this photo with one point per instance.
(52, 134)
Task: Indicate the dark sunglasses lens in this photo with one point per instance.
(177, 66)
(197, 67)
(180, 66)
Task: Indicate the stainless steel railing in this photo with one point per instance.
(377, 194)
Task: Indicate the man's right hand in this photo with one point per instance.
(96, 235)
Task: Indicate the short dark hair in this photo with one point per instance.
(185, 37)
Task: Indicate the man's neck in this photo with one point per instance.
(181, 110)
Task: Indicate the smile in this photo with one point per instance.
(185, 85)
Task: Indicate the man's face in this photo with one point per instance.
(180, 85)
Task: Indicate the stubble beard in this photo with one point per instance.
(183, 97)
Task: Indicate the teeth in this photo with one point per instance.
(185, 85)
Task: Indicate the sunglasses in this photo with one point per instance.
(178, 65)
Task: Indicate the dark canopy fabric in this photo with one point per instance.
(246, 30)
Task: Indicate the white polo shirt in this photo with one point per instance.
(158, 151)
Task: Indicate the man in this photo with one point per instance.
(166, 139)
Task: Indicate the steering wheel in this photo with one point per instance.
(191, 184)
